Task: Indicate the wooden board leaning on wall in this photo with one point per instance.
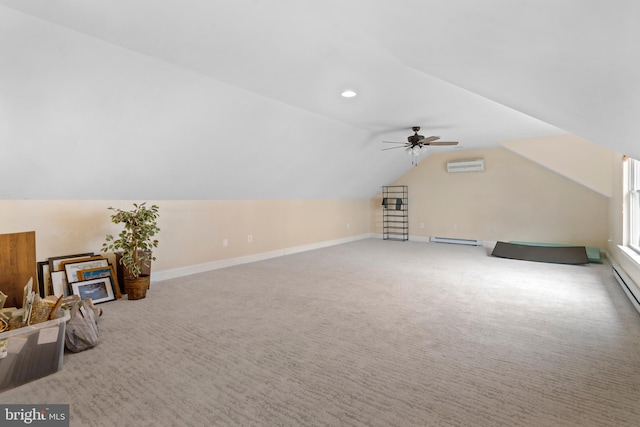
(17, 265)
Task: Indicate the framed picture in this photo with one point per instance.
(54, 262)
(98, 290)
(59, 285)
(97, 272)
(44, 279)
(72, 267)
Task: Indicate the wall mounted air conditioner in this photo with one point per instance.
(466, 166)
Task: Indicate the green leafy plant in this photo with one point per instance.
(136, 239)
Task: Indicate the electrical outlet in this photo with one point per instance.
(250, 238)
(422, 225)
(348, 226)
(455, 226)
(225, 243)
(493, 228)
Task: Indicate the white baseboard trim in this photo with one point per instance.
(412, 238)
(159, 276)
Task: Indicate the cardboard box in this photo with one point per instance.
(32, 352)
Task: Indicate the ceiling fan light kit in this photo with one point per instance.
(416, 150)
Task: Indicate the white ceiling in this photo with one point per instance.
(241, 99)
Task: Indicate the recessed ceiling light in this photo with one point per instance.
(348, 93)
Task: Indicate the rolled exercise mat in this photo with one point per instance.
(593, 254)
(552, 254)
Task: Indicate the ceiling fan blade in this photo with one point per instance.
(428, 139)
(393, 142)
(443, 143)
(392, 148)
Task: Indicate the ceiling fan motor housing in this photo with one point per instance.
(413, 139)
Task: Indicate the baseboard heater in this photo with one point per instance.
(624, 282)
(456, 241)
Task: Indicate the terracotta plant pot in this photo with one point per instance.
(136, 288)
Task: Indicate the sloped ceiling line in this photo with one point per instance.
(261, 60)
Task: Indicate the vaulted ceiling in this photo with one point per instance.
(201, 99)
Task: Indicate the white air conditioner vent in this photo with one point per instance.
(476, 165)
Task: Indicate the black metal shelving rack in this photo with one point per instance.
(395, 218)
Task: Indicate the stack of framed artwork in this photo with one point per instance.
(88, 275)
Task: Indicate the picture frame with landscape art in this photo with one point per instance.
(98, 290)
(73, 266)
(99, 272)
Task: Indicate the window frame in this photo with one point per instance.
(633, 197)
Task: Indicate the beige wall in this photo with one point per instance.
(192, 231)
(571, 156)
(514, 199)
(616, 206)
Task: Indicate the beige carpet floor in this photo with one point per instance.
(370, 333)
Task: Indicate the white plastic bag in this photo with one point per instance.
(82, 330)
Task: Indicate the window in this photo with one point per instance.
(634, 203)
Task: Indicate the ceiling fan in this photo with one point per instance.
(418, 144)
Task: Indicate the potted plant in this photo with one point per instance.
(135, 243)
